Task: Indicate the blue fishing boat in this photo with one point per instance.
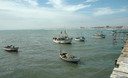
(81, 38)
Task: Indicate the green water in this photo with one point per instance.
(38, 55)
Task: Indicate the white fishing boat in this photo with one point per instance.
(69, 58)
(81, 38)
(11, 48)
(63, 39)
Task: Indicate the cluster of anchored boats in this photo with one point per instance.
(64, 39)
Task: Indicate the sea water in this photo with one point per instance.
(38, 55)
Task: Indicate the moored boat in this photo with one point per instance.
(11, 48)
(81, 38)
(69, 58)
(113, 32)
(98, 36)
(64, 39)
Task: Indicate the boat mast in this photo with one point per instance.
(64, 34)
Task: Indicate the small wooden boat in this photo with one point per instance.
(11, 48)
(69, 58)
(81, 38)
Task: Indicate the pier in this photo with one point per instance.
(121, 64)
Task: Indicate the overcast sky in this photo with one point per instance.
(39, 14)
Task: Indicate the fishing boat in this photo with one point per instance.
(98, 36)
(81, 38)
(11, 48)
(69, 58)
(113, 32)
(63, 39)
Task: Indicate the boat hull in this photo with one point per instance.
(68, 41)
(11, 50)
(81, 40)
(98, 37)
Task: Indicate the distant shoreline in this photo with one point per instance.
(71, 28)
(100, 27)
(106, 27)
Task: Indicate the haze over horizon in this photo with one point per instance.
(38, 14)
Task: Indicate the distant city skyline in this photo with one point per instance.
(39, 14)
